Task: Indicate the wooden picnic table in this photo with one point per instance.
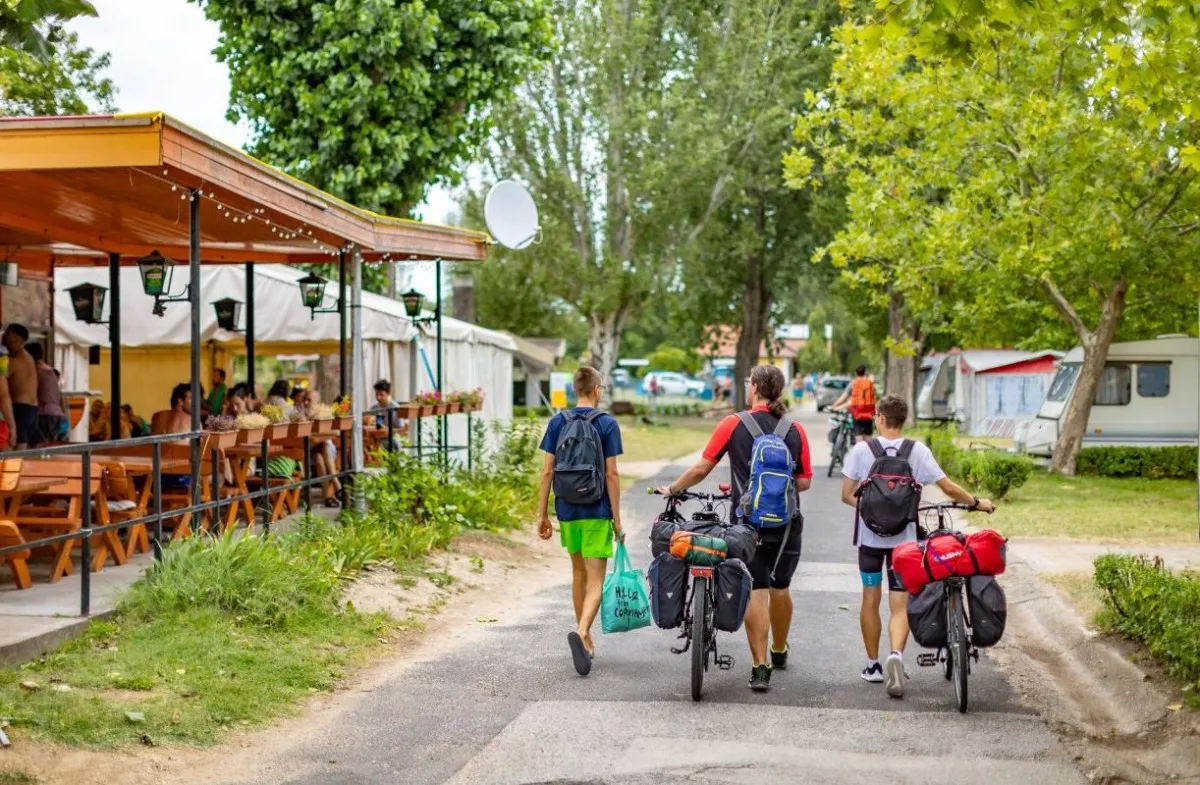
(140, 470)
(239, 464)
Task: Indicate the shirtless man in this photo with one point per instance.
(177, 419)
(22, 384)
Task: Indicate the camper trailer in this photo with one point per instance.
(990, 392)
(1146, 396)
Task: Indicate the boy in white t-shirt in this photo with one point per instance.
(874, 551)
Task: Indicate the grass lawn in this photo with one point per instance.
(182, 679)
(1101, 508)
(676, 438)
(1080, 591)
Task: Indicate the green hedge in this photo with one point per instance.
(1150, 604)
(1153, 463)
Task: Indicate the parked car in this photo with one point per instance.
(673, 383)
(621, 378)
(829, 390)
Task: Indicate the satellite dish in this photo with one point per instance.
(511, 215)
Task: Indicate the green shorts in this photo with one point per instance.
(591, 538)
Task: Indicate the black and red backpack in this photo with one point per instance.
(889, 498)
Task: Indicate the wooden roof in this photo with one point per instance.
(74, 189)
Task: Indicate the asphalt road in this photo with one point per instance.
(507, 708)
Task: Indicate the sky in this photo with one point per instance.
(162, 61)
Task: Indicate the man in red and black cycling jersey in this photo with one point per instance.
(775, 560)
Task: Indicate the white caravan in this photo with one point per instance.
(1146, 396)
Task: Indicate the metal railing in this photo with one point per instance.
(219, 501)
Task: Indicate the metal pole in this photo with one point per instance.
(438, 314)
(250, 326)
(342, 373)
(85, 577)
(307, 441)
(358, 384)
(114, 340)
(156, 494)
(194, 301)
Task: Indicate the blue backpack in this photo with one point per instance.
(769, 500)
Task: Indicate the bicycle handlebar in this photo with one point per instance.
(686, 495)
(932, 506)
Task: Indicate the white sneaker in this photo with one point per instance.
(873, 673)
(895, 675)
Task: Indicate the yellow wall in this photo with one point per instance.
(148, 375)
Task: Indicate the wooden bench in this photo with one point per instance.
(11, 535)
(48, 518)
(618, 408)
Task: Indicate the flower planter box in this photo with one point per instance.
(344, 423)
(322, 426)
(222, 440)
(440, 409)
(408, 411)
(250, 435)
(298, 430)
(454, 408)
(277, 432)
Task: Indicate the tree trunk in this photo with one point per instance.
(756, 307)
(903, 355)
(1095, 354)
(604, 342)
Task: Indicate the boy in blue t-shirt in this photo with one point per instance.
(586, 530)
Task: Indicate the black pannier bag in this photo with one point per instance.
(927, 616)
(987, 608)
(733, 595)
(667, 577)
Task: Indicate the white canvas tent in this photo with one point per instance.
(152, 345)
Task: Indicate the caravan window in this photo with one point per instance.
(1064, 382)
(1154, 380)
(1114, 386)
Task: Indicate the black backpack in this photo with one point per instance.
(579, 460)
(888, 499)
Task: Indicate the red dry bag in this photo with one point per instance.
(946, 554)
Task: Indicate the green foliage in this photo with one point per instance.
(1150, 462)
(994, 472)
(374, 100)
(1149, 604)
(65, 79)
(24, 23)
(673, 358)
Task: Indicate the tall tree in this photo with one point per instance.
(374, 100)
(1020, 187)
(647, 125)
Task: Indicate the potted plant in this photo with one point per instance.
(299, 424)
(278, 429)
(454, 402)
(472, 401)
(410, 410)
(342, 414)
(250, 427)
(431, 404)
(224, 431)
(322, 417)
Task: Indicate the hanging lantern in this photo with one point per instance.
(312, 291)
(412, 303)
(156, 274)
(229, 313)
(88, 301)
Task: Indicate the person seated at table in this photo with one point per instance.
(235, 401)
(100, 426)
(96, 420)
(137, 426)
(215, 402)
(177, 419)
(383, 397)
(299, 396)
(278, 396)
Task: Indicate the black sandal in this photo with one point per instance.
(332, 502)
(579, 654)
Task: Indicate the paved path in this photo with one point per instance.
(507, 708)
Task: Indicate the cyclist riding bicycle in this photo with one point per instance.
(859, 400)
(778, 553)
(875, 551)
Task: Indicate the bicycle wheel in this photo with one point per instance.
(958, 646)
(837, 454)
(701, 631)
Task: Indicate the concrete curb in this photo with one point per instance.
(30, 648)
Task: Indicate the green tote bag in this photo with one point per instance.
(624, 605)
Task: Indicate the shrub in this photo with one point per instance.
(1150, 604)
(940, 442)
(995, 472)
(1152, 463)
